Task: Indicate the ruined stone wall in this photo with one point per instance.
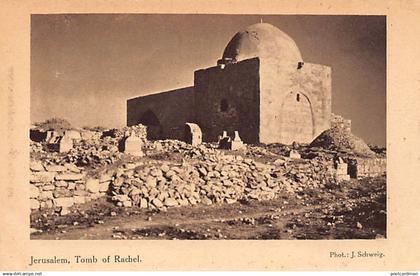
(59, 187)
(339, 122)
(228, 99)
(172, 110)
(367, 167)
(295, 103)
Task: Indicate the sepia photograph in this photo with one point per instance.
(208, 127)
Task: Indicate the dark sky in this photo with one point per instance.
(84, 67)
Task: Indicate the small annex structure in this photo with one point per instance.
(261, 87)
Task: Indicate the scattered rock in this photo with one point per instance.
(156, 202)
(170, 202)
(37, 166)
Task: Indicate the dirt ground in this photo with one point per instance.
(351, 210)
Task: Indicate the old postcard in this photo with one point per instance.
(210, 135)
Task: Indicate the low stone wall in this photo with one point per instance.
(62, 186)
(367, 167)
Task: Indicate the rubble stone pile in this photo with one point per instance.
(92, 149)
(341, 139)
(139, 131)
(215, 178)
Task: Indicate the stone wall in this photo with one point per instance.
(367, 167)
(165, 114)
(62, 186)
(228, 99)
(295, 102)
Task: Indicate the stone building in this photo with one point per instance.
(260, 87)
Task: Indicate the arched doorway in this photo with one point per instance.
(154, 128)
(296, 119)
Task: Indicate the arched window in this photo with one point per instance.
(224, 105)
(298, 97)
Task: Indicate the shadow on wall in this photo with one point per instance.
(154, 128)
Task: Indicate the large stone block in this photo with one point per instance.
(46, 195)
(65, 144)
(69, 176)
(47, 204)
(64, 202)
(61, 183)
(36, 166)
(73, 134)
(44, 177)
(72, 168)
(48, 187)
(33, 191)
(157, 203)
(105, 177)
(104, 186)
(62, 192)
(80, 193)
(34, 204)
(169, 202)
(92, 185)
(79, 199)
(71, 185)
(55, 168)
